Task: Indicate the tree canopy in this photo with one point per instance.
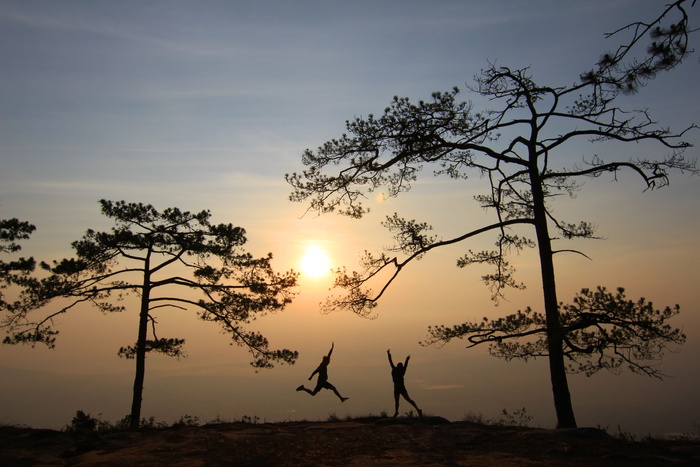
(17, 271)
(602, 331)
(517, 146)
(170, 260)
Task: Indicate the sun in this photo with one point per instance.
(315, 262)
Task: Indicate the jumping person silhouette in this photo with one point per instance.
(397, 374)
(322, 382)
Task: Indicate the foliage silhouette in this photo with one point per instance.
(149, 254)
(514, 146)
(601, 331)
(16, 272)
(517, 418)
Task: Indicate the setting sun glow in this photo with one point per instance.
(315, 262)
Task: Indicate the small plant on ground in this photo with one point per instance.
(82, 423)
(624, 435)
(518, 418)
(187, 420)
(85, 423)
(216, 421)
(251, 420)
(477, 418)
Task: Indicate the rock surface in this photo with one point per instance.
(383, 441)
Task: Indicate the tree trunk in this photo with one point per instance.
(135, 417)
(555, 342)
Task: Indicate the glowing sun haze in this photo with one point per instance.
(315, 262)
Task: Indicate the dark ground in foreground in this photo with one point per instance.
(383, 441)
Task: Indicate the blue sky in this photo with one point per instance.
(207, 105)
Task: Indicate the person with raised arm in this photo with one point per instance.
(397, 375)
(322, 382)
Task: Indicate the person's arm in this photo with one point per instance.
(391, 362)
(331, 351)
(405, 365)
(312, 374)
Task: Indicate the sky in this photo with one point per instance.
(206, 105)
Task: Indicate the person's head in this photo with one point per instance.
(400, 365)
(326, 359)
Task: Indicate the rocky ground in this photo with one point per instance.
(382, 441)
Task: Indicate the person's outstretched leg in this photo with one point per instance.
(410, 401)
(332, 388)
(302, 388)
(396, 404)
